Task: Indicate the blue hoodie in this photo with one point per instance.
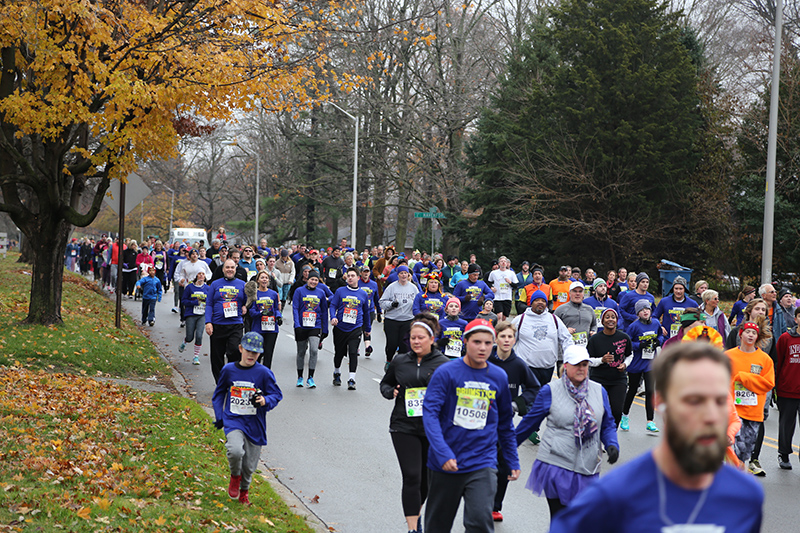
(151, 288)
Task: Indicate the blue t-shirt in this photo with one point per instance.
(645, 338)
(737, 312)
(371, 288)
(433, 303)
(627, 306)
(627, 500)
(310, 308)
(453, 331)
(351, 308)
(265, 322)
(476, 291)
(226, 301)
(466, 411)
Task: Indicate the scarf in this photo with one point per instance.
(584, 424)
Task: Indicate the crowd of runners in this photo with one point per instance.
(468, 348)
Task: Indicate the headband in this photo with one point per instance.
(424, 325)
(749, 325)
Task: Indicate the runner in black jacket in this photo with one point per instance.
(405, 382)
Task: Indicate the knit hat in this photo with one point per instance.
(597, 283)
(642, 304)
(313, 274)
(680, 281)
(454, 300)
(473, 267)
(640, 276)
(538, 294)
(479, 324)
(748, 325)
(261, 260)
(284, 253)
(783, 292)
(606, 310)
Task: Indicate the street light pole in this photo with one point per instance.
(769, 196)
(355, 178)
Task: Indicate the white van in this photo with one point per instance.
(188, 235)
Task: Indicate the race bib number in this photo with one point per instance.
(471, 412)
(597, 313)
(199, 309)
(504, 286)
(350, 316)
(414, 399)
(240, 401)
(159, 264)
(562, 297)
(309, 319)
(267, 323)
(424, 282)
(230, 309)
(650, 353)
(332, 273)
(453, 348)
(674, 328)
(251, 274)
(73, 253)
(743, 395)
(580, 338)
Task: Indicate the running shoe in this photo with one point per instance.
(755, 468)
(174, 309)
(183, 324)
(368, 351)
(233, 487)
(624, 424)
(351, 384)
(152, 323)
(497, 516)
(337, 379)
(182, 347)
(299, 382)
(196, 360)
(651, 427)
(784, 463)
(243, 499)
(310, 383)
(534, 438)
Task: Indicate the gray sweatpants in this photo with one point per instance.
(243, 456)
(312, 346)
(445, 492)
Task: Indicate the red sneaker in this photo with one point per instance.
(243, 499)
(497, 516)
(233, 487)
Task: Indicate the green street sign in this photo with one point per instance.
(428, 214)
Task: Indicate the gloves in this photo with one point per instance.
(218, 424)
(368, 350)
(254, 398)
(522, 406)
(481, 300)
(380, 317)
(467, 298)
(613, 454)
(279, 320)
(395, 304)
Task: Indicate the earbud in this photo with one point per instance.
(662, 407)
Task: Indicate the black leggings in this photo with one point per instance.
(633, 386)
(269, 348)
(555, 506)
(397, 332)
(412, 454)
(346, 343)
(616, 397)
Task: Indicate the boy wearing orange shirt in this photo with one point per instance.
(753, 375)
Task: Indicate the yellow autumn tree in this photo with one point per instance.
(88, 88)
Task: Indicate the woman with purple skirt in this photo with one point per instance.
(579, 424)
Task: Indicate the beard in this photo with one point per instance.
(695, 458)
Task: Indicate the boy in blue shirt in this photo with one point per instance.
(151, 291)
(246, 391)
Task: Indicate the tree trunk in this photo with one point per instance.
(402, 216)
(48, 250)
(26, 253)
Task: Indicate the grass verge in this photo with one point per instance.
(81, 455)
(87, 342)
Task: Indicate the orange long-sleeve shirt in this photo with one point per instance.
(752, 376)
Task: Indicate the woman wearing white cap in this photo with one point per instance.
(579, 420)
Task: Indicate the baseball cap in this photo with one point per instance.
(473, 267)
(365, 268)
(575, 355)
(563, 267)
(479, 324)
(253, 342)
(576, 285)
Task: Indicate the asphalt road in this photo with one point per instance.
(331, 446)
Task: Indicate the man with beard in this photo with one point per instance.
(682, 484)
